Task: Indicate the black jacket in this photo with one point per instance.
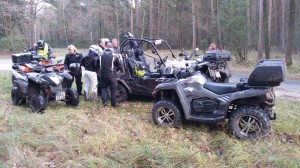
(72, 58)
(109, 62)
(90, 62)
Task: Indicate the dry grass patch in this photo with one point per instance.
(92, 136)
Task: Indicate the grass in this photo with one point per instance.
(92, 136)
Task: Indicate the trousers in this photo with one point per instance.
(90, 82)
(109, 80)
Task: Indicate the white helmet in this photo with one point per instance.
(94, 49)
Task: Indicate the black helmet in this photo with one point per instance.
(40, 44)
(73, 67)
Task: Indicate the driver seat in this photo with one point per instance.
(220, 89)
(139, 55)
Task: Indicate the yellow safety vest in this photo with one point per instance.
(44, 52)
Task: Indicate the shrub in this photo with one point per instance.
(13, 42)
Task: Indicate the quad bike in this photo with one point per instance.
(248, 105)
(29, 62)
(39, 88)
(213, 64)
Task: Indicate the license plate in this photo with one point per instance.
(60, 95)
(218, 75)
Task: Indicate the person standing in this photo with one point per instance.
(91, 64)
(102, 44)
(212, 47)
(109, 65)
(72, 64)
(116, 47)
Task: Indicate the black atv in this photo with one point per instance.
(143, 65)
(247, 105)
(44, 84)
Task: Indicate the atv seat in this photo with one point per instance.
(220, 88)
(132, 63)
(139, 56)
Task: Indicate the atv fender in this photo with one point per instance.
(175, 86)
(249, 93)
(125, 84)
(66, 75)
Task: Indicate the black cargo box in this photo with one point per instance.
(22, 58)
(269, 72)
(217, 55)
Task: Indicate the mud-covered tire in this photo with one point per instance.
(72, 97)
(37, 103)
(121, 93)
(166, 113)
(249, 123)
(16, 99)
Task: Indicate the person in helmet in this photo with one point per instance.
(72, 64)
(91, 65)
(42, 48)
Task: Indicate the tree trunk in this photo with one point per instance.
(194, 23)
(159, 18)
(212, 20)
(249, 39)
(260, 31)
(31, 24)
(255, 18)
(143, 24)
(282, 34)
(218, 30)
(151, 17)
(290, 38)
(266, 29)
(270, 21)
(131, 16)
(137, 20)
(117, 19)
(65, 24)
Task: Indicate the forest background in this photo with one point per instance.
(268, 27)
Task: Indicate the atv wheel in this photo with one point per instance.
(121, 93)
(249, 122)
(16, 99)
(72, 97)
(37, 103)
(166, 113)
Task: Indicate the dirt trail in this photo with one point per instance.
(287, 93)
